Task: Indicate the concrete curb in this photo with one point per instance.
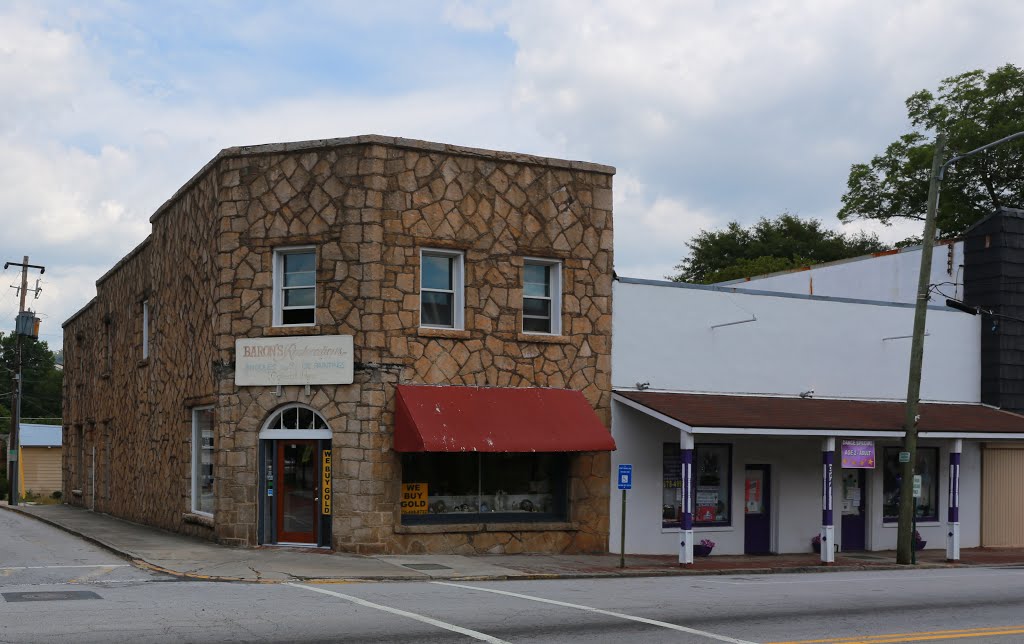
(140, 562)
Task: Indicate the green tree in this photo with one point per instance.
(41, 391)
(973, 109)
(767, 246)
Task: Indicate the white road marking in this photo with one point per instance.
(51, 567)
(832, 579)
(420, 618)
(644, 620)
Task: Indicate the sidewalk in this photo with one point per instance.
(198, 559)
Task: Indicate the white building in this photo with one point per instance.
(761, 391)
(890, 275)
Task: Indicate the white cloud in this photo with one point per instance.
(711, 111)
(651, 231)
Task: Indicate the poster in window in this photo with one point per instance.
(753, 495)
(414, 498)
(705, 513)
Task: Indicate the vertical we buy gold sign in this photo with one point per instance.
(414, 498)
(326, 496)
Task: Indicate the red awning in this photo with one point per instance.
(496, 419)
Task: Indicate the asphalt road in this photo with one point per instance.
(983, 605)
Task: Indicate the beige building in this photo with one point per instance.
(39, 460)
(369, 344)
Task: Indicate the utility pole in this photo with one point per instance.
(22, 327)
(904, 543)
(908, 507)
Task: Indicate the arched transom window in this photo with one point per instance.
(296, 421)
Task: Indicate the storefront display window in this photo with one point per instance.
(712, 485)
(472, 488)
(928, 467)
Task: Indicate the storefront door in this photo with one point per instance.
(757, 538)
(298, 491)
(854, 516)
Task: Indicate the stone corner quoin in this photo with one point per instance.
(205, 278)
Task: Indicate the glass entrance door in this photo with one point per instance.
(854, 517)
(757, 523)
(298, 477)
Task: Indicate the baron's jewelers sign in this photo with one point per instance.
(313, 360)
(858, 455)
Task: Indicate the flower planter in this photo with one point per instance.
(919, 545)
(817, 547)
(701, 551)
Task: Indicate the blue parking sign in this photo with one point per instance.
(625, 477)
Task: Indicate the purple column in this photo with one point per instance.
(828, 532)
(687, 518)
(953, 517)
(827, 462)
(954, 487)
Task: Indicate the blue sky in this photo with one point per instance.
(711, 111)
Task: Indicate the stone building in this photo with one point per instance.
(373, 344)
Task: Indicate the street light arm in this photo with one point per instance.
(1005, 139)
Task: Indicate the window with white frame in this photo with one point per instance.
(145, 329)
(294, 286)
(202, 460)
(441, 295)
(542, 296)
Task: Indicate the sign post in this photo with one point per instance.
(625, 483)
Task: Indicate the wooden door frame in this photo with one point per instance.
(290, 537)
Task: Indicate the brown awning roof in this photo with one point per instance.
(766, 412)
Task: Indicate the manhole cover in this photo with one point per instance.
(427, 566)
(50, 596)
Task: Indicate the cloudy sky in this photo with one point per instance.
(711, 111)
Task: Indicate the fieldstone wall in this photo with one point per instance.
(127, 435)
(369, 205)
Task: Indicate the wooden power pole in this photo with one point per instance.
(14, 439)
(905, 538)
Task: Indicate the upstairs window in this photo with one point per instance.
(294, 287)
(542, 296)
(441, 297)
(145, 329)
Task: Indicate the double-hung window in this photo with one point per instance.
(202, 460)
(542, 296)
(145, 329)
(441, 294)
(294, 286)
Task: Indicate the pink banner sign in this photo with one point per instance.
(858, 455)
